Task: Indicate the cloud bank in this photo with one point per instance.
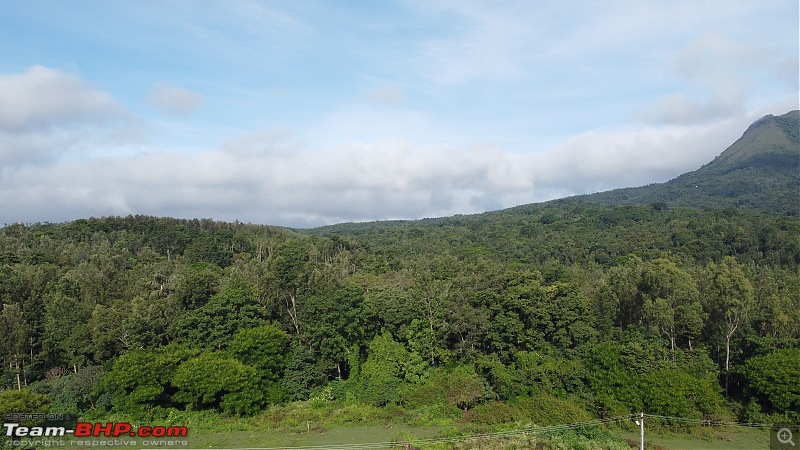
(303, 113)
(272, 177)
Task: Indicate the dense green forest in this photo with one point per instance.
(663, 299)
(549, 312)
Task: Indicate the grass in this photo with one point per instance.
(304, 424)
(310, 436)
(709, 439)
(337, 435)
(727, 439)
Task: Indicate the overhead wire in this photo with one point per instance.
(709, 422)
(532, 431)
(450, 439)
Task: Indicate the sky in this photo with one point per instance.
(305, 113)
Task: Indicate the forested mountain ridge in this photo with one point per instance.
(761, 170)
(529, 313)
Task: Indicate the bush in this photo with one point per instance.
(493, 413)
(293, 415)
(774, 377)
(24, 401)
(363, 414)
(541, 409)
(460, 388)
(376, 392)
(74, 393)
(672, 392)
(141, 379)
(439, 414)
(218, 381)
(544, 409)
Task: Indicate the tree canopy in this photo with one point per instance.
(587, 307)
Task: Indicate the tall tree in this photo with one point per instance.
(623, 281)
(433, 281)
(671, 301)
(212, 325)
(263, 348)
(334, 322)
(15, 339)
(291, 276)
(729, 301)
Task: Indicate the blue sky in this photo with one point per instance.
(303, 113)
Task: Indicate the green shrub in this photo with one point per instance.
(460, 388)
(24, 401)
(774, 377)
(141, 379)
(214, 380)
(362, 414)
(439, 414)
(493, 413)
(673, 392)
(544, 409)
(264, 348)
(381, 392)
(74, 393)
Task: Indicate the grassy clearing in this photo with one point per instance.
(337, 435)
(722, 439)
(313, 436)
(708, 439)
(304, 424)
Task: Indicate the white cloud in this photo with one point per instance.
(46, 113)
(718, 76)
(42, 97)
(267, 177)
(173, 99)
(593, 161)
(425, 111)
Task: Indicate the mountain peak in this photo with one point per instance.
(761, 170)
(776, 135)
(787, 121)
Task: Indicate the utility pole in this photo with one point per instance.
(641, 430)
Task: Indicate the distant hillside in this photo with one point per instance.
(760, 171)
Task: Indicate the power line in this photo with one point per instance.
(453, 439)
(709, 422)
(529, 431)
